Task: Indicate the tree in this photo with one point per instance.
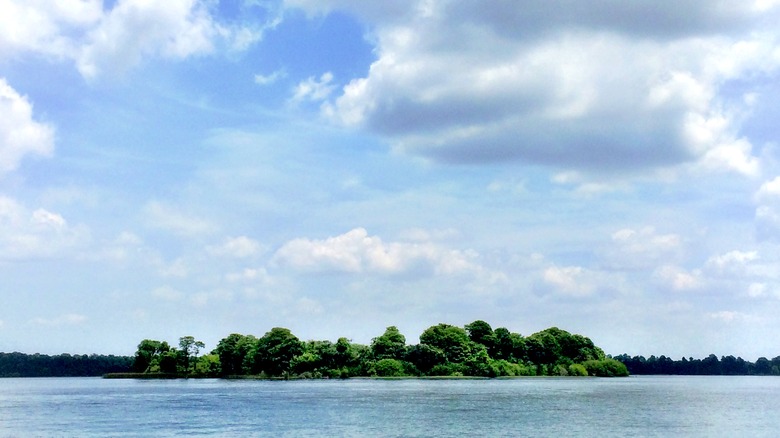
(148, 350)
(274, 352)
(478, 363)
(453, 341)
(503, 347)
(481, 333)
(188, 351)
(208, 366)
(424, 357)
(391, 345)
(233, 351)
(389, 368)
(763, 366)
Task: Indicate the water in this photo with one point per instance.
(582, 407)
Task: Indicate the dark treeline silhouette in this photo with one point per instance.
(63, 365)
(709, 366)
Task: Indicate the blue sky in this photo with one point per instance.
(335, 167)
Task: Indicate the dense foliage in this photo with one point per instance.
(63, 365)
(711, 365)
(444, 350)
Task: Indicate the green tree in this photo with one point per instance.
(424, 357)
(503, 346)
(168, 362)
(389, 368)
(233, 351)
(481, 333)
(478, 363)
(274, 352)
(345, 353)
(188, 351)
(543, 347)
(606, 368)
(148, 351)
(208, 365)
(391, 345)
(453, 341)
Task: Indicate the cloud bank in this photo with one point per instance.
(603, 87)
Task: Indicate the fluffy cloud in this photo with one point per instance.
(732, 263)
(236, 247)
(43, 26)
(313, 89)
(642, 248)
(20, 135)
(134, 28)
(167, 293)
(768, 210)
(114, 40)
(594, 86)
(571, 280)
(357, 252)
(678, 279)
(159, 215)
(26, 234)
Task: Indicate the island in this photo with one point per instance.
(475, 350)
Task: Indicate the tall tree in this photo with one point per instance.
(391, 345)
(481, 333)
(232, 352)
(275, 350)
(453, 341)
(188, 351)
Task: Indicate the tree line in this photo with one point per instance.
(64, 365)
(444, 350)
(710, 366)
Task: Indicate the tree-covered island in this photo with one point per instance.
(444, 350)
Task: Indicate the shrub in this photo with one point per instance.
(606, 368)
(389, 368)
(576, 369)
(447, 369)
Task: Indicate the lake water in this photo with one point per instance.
(581, 407)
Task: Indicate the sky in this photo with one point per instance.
(205, 167)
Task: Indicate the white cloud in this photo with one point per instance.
(159, 215)
(236, 247)
(732, 263)
(40, 233)
(249, 275)
(43, 26)
(20, 135)
(167, 293)
(124, 247)
(178, 268)
(314, 89)
(577, 281)
(596, 88)
(271, 78)
(137, 28)
(357, 252)
(101, 41)
(679, 279)
(767, 216)
(641, 248)
(62, 320)
(730, 316)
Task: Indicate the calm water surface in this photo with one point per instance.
(583, 407)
